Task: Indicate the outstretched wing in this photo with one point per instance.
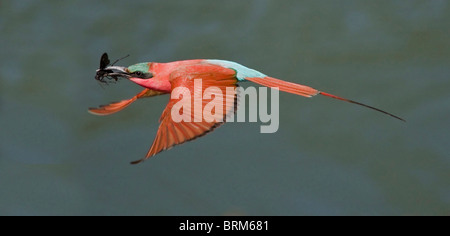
(209, 87)
(114, 107)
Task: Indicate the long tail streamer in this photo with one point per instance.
(307, 91)
(361, 104)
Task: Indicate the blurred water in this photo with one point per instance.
(328, 158)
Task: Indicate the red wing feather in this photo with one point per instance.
(171, 133)
(114, 107)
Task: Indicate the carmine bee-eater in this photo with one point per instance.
(219, 80)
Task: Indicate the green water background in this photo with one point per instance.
(328, 157)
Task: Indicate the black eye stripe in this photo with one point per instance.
(142, 75)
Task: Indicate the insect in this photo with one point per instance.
(103, 72)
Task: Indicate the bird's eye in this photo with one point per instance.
(142, 75)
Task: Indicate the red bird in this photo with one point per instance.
(164, 78)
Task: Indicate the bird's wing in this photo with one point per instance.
(114, 107)
(218, 102)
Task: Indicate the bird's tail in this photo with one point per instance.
(285, 86)
(306, 91)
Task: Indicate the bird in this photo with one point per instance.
(164, 78)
